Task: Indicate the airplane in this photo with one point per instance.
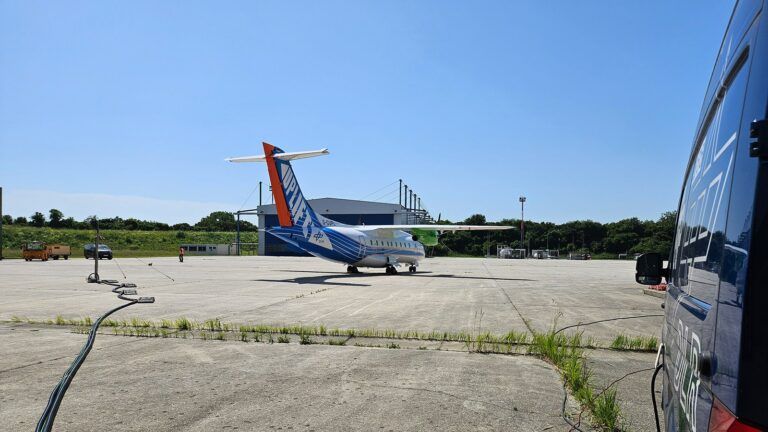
(371, 246)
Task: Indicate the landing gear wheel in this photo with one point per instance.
(352, 269)
(391, 270)
(412, 269)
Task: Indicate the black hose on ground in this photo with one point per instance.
(45, 423)
(653, 396)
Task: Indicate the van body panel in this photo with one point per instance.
(712, 317)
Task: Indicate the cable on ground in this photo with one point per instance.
(607, 320)
(45, 423)
(157, 270)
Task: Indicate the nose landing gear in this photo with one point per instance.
(412, 269)
(352, 269)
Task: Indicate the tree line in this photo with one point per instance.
(216, 221)
(627, 236)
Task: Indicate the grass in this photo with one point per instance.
(638, 343)
(283, 339)
(337, 342)
(606, 410)
(565, 352)
(483, 342)
(124, 243)
(183, 324)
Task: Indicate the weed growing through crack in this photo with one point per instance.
(182, 324)
(606, 410)
(283, 339)
(213, 324)
(565, 352)
(638, 343)
(337, 342)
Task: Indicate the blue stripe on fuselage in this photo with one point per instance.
(344, 249)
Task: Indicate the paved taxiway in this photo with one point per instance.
(169, 384)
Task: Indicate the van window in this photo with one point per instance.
(698, 249)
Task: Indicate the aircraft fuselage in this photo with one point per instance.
(352, 246)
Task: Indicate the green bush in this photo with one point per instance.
(124, 243)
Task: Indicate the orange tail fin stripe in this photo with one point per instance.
(283, 215)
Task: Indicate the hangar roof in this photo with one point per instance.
(329, 206)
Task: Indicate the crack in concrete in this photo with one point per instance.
(509, 299)
(440, 392)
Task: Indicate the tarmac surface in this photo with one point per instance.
(131, 383)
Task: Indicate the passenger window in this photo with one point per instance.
(699, 241)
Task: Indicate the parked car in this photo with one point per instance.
(579, 256)
(714, 355)
(104, 251)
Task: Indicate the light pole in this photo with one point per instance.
(522, 221)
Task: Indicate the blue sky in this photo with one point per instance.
(588, 108)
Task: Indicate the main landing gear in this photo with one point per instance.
(352, 269)
(391, 270)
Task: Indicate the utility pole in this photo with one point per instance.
(237, 248)
(259, 193)
(522, 222)
(405, 198)
(400, 192)
(416, 208)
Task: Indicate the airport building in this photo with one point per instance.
(351, 212)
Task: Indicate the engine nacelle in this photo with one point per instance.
(425, 237)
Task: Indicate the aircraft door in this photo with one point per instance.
(362, 247)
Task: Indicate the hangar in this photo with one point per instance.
(352, 212)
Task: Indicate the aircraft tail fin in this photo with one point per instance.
(292, 208)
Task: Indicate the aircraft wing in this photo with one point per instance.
(432, 227)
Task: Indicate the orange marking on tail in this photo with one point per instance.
(283, 214)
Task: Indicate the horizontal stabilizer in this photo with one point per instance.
(282, 156)
(434, 227)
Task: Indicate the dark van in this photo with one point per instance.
(715, 335)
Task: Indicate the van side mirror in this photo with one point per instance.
(649, 269)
